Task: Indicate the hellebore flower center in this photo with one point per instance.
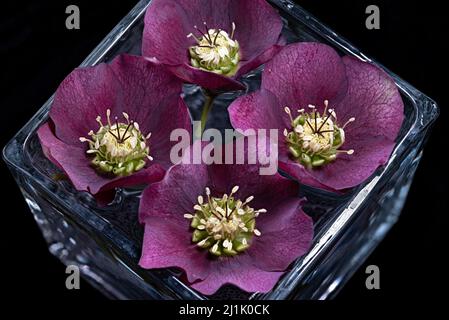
(119, 148)
(216, 51)
(315, 139)
(224, 226)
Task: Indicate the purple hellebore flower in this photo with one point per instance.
(224, 224)
(340, 116)
(110, 124)
(212, 43)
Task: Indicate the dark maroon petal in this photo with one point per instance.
(269, 191)
(239, 271)
(346, 172)
(81, 97)
(167, 240)
(149, 94)
(148, 175)
(298, 171)
(48, 140)
(168, 22)
(373, 99)
(258, 110)
(176, 194)
(258, 26)
(74, 162)
(129, 84)
(104, 198)
(305, 73)
(69, 158)
(205, 79)
(349, 171)
(168, 243)
(167, 25)
(172, 114)
(287, 233)
(375, 102)
(284, 225)
(142, 88)
(247, 66)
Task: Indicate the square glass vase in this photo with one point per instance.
(105, 242)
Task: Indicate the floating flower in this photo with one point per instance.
(211, 42)
(110, 124)
(224, 224)
(339, 116)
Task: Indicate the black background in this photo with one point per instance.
(37, 52)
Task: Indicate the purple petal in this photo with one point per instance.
(284, 222)
(305, 73)
(148, 175)
(287, 234)
(171, 198)
(258, 27)
(87, 92)
(286, 237)
(170, 115)
(347, 171)
(73, 161)
(299, 172)
(168, 22)
(168, 243)
(238, 271)
(167, 25)
(268, 191)
(175, 199)
(129, 84)
(258, 110)
(205, 79)
(374, 100)
(142, 88)
(247, 66)
(69, 158)
(261, 110)
(149, 94)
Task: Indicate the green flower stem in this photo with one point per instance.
(208, 103)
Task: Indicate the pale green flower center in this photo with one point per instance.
(216, 51)
(118, 148)
(314, 139)
(224, 226)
